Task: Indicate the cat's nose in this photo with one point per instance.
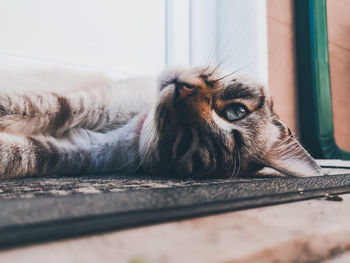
(182, 90)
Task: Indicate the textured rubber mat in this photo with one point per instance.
(35, 210)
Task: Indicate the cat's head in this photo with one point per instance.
(209, 124)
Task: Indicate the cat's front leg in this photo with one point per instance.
(23, 156)
(78, 151)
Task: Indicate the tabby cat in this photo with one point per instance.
(194, 123)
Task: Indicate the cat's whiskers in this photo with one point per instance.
(236, 71)
(234, 165)
(237, 163)
(176, 144)
(150, 139)
(214, 70)
(229, 48)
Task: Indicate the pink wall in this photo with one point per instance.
(282, 73)
(281, 59)
(339, 56)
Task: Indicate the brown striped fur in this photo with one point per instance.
(108, 125)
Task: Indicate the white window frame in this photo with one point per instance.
(187, 40)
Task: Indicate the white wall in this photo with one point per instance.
(138, 36)
(242, 27)
(115, 35)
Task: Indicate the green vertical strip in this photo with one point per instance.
(314, 86)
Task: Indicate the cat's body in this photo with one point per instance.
(195, 122)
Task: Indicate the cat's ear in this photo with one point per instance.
(286, 155)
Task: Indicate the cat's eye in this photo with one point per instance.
(235, 112)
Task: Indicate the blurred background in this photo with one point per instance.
(137, 37)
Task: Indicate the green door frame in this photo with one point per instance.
(314, 86)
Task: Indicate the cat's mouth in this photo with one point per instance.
(184, 143)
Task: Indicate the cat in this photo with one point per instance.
(195, 122)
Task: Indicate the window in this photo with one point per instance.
(232, 33)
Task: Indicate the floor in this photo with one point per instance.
(314, 229)
(307, 231)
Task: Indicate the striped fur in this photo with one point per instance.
(64, 123)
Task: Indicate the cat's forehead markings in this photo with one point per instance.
(207, 80)
(238, 90)
(197, 82)
(235, 89)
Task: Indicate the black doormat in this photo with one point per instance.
(36, 210)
